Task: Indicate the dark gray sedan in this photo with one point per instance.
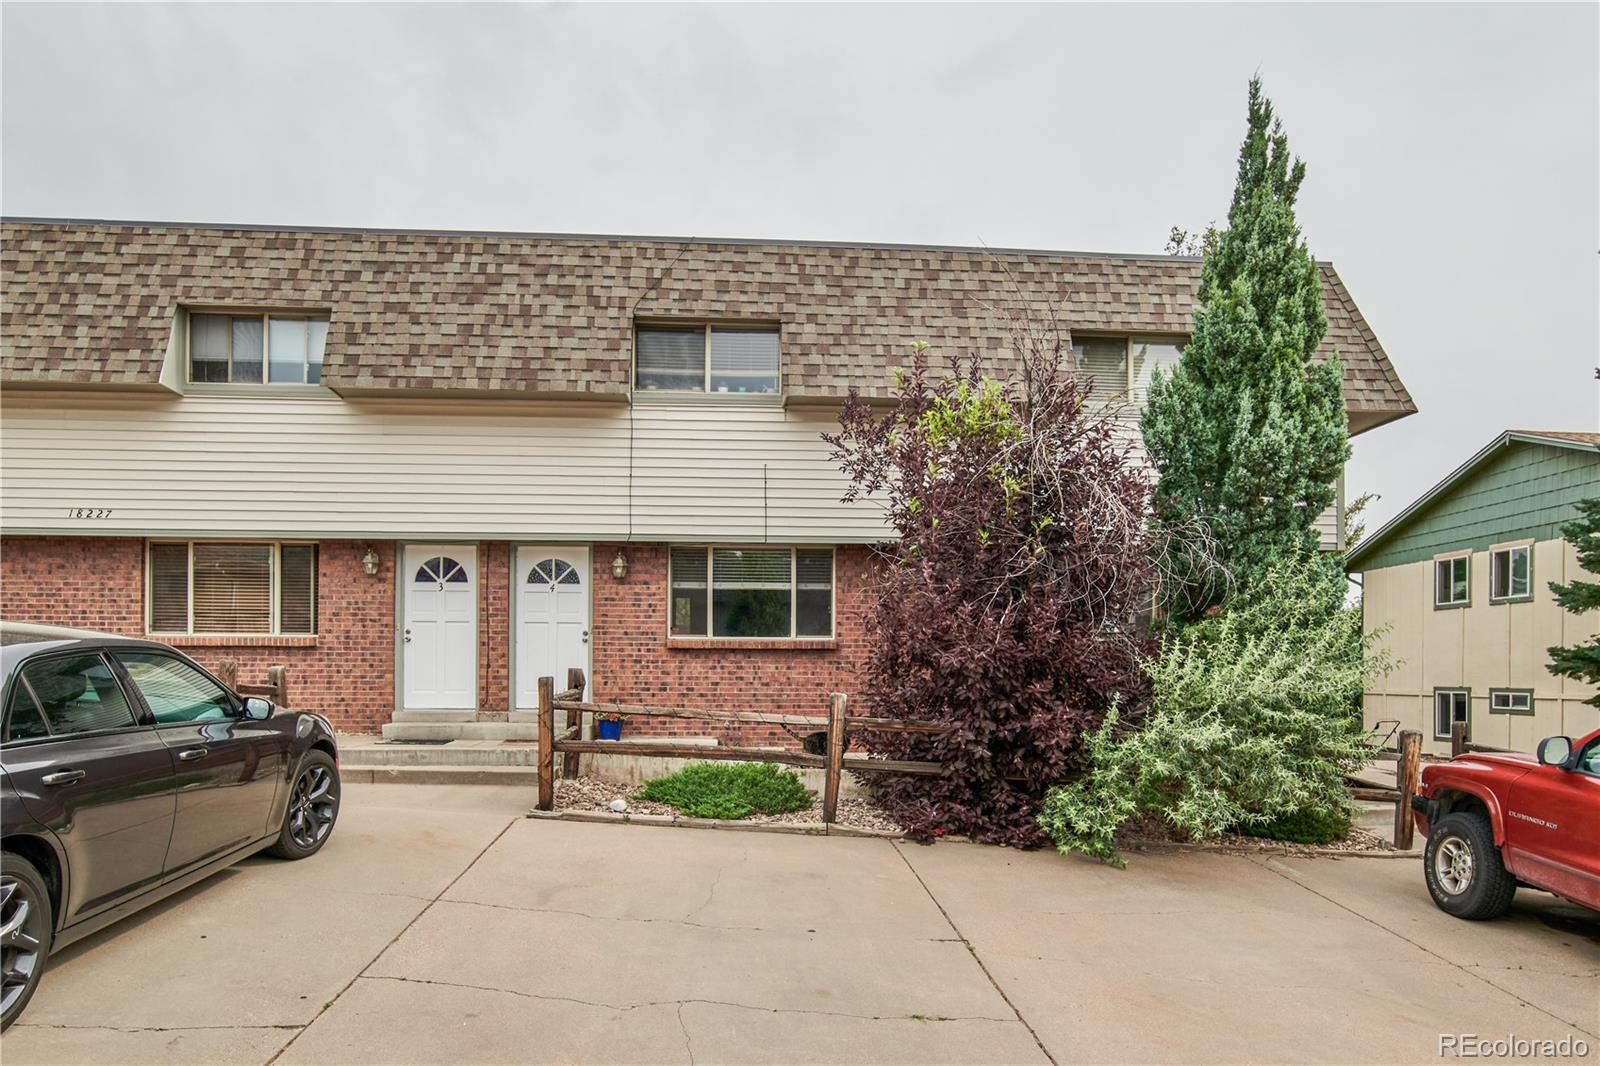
(127, 772)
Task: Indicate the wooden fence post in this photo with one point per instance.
(830, 783)
(547, 743)
(1460, 736)
(228, 673)
(569, 760)
(278, 678)
(1405, 778)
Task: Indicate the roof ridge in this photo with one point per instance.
(895, 246)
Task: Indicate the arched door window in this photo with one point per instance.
(553, 572)
(441, 568)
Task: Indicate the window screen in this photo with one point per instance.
(1105, 361)
(169, 588)
(297, 589)
(1450, 582)
(744, 361)
(672, 359)
(688, 606)
(751, 592)
(1509, 577)
(813, 611)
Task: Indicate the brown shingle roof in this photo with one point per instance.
(94, 302)
(1576, 438)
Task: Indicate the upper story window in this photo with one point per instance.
(231, 587)
(1511, 574)
(1123, 367)
(255, 349)
(1452, 586)
(730, 360)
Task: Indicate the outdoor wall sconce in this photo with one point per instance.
(369, 562)
(619, 566)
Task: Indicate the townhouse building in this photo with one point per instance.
(424, 468)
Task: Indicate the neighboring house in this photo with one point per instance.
(1458, 585)
(423, 469)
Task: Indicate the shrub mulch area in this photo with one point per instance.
(587, 794)
(1155, 834)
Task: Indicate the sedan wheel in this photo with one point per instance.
(313, 808)
(25, 925)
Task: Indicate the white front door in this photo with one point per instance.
(440, 642)
(550, 587)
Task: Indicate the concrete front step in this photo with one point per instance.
(410, 729)
(373, 752)
(522, 776)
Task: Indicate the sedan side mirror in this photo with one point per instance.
(1555, 751)
(257, 709)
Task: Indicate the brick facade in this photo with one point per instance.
(634, 662)
(347, 671)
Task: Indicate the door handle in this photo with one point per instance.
(191, 754)
(63, 777)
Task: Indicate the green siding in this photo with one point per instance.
(1524, 490)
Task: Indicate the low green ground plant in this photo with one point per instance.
(728, 790)
(1309, 826)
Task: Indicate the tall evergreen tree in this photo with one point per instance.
(1248, 434)
(1581, 661)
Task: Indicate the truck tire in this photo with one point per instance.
(1465, 874)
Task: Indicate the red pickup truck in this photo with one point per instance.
(1498, 820)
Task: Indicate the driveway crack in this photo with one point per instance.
(973, 951)
(688, 1044)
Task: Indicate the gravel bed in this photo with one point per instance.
(587, 794)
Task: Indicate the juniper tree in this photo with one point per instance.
(1248, 434)
(1581, 661)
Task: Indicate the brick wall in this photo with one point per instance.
(494, 626)
(345, 672)
(634, 662)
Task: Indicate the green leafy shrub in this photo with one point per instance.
(728, 790)
(1308, 826)
(1250, 721)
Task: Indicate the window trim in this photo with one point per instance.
(1507, 550)
(1451, 605)
(274, 592)
(266, 314)
(1125, 395)
(710, 634)
(704, 326)
(1453, 690)
(1528, 692)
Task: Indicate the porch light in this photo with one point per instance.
(619, 566)
(369, 562)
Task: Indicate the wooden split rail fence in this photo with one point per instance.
(570, 743)
(276, 688)
(1408, 758)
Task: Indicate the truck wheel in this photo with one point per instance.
(1463, 868)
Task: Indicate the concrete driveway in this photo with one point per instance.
(440, 926)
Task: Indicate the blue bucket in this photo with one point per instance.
(610, 728)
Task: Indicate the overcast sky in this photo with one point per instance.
(1453, 150)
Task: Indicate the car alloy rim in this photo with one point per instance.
(20, 940)
(312, 806)
(1452, 865)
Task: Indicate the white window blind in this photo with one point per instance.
(233, 588)
(256, 348)
(1148, 357)
(744, 361)
(672, 359)
(1105, 361)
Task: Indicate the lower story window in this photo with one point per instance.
(232, 587)
(1450, 705)
(750, 592)
(1511, 701)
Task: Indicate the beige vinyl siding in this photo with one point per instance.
(249, 466)
(1480, 647)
